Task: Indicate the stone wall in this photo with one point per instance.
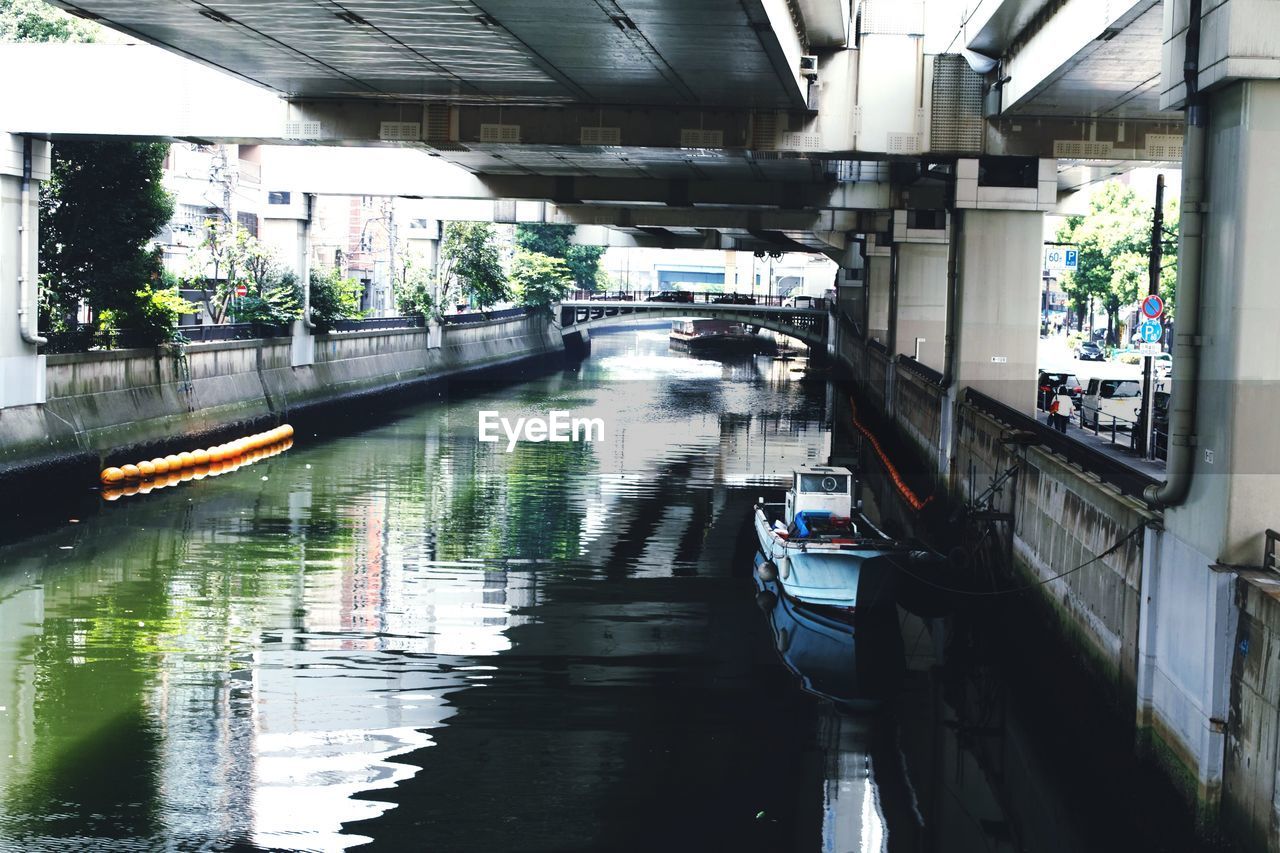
(103, 403)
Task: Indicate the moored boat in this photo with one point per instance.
(823, 551)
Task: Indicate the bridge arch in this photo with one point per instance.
(805, 324)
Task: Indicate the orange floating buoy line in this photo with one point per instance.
(152, 474)
(913, 500)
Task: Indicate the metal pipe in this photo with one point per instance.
(1186, 349)
(953, 296)
(893, 301)
(24, 254)
(305, 272)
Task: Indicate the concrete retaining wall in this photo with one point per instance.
(101, 403)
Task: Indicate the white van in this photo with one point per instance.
(1111, 397)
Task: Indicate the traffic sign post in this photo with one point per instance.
(1061, 258)
(1152, 307)
(1151, 331)
(242, 290)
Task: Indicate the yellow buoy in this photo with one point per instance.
(147, 469)
(174, 462)
(130, 472)
(161, 465)
(112, 475)
(185, 460)
(199, 457)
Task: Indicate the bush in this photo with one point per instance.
(151, 320)
(414, 299)
(279, 305)
(334, 298)
(1129, 358)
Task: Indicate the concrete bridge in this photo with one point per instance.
(809, 325)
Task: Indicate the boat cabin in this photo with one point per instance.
(820, 500)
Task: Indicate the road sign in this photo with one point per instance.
(1148, 349)
(1151, 331)
(242, 290)
(1061, 258)
(1152, 307)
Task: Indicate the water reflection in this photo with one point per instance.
(266, 658)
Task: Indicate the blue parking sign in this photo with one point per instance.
(1069, 261)
(1151, 331)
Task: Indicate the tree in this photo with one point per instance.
(37, 21)
(540, 279)
(333, 298)
(469, 258)
(99, 210)
(413, 285)
(554, 240)
(1114, 241)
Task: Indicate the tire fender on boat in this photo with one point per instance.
(766, 600)
(768, 571)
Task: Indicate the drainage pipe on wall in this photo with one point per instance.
(25, 279)
(953, 296)
(1186, 349)
(305, 272)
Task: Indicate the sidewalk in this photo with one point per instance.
(1120, 451)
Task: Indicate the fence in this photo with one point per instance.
(688, 297)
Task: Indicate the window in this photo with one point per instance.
(279, 197)
(1113, 388)
(824, 483)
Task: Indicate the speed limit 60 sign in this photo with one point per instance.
(1061, 258)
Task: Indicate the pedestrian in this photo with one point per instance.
(1063, 405)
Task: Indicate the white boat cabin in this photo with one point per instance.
(819, 490)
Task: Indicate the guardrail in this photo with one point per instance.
(484, 316)
(689, 297)
(232, 332)
(1110, 470)
(415, 322)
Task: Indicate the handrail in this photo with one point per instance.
(483, 316)
(1128, 480)
(922, 370)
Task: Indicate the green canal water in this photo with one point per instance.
(397, 636)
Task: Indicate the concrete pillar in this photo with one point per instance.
(996, 326)
(877, 276)
(287, 230)
(1190, 621)
(22, 370)
(922, 302)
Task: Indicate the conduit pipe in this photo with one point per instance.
(24, 253)
(1186, 349)
(953, 299)
(305, 272)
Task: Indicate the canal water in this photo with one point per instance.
(398, 636)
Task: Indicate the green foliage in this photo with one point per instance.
(469, 259)
(228, 256)
(279, 304)
(101, 206)
(153, 318)
(583, 262)
(333, 298)
(37, 21)
(1129, 358)
(1114, 241)
(540, 279)
(414, 287)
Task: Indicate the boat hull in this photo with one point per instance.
(841, 577)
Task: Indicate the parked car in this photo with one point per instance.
(798, 302)
(1049, 383)
(1090, 351)
(610, 297)
(734, 299)
(671, 296)
(1111, 399)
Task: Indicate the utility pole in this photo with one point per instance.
(1145, 445)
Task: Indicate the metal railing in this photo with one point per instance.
(689, 297)
(231, 332)
(1109, 469)
(484, 316)
(375, 323)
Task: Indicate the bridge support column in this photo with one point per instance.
(288, 231)
(995, 326)
(22, 376)
(921, 303)
(877, 279)
(1199, 677)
